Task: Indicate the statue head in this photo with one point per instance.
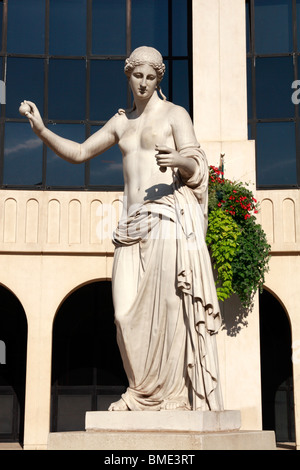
(145, 55)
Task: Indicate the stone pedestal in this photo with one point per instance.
(164, 430)
(180, 421)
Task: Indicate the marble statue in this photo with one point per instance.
(166, 309)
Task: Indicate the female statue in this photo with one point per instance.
(166, 308)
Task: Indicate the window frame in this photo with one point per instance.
(252, 56)
(88, 57)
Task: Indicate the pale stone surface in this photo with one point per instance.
(189, 421)
(237, 440)
(42, 261)
(165, 302)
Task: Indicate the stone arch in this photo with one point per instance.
(87, 371)
(276, 367)
(13, 334)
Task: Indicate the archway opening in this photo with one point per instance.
(276, 369)
(13, 350)
(87, 370)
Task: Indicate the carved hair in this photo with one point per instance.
(146, 55)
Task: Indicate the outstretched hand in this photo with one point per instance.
(34, 117)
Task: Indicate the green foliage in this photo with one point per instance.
(237, 243)
(222, 237)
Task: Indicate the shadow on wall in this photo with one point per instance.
(234, 315)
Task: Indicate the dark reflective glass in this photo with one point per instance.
(179, 27)
(249, 132)
(59, 171)
(273, 26)
(276, 154)
(23, 152)
(181, 83)
(67, 33)
(150, 24)
(108, 89)
(249, 88)
(1, 20)
(109, 27)
(107, 169)
(2, 88)
(67, 89)
(248, 45)
(71, 411)
(165, 82)
(298, 24)
(274, 77)
(24, 81)
(25, 26)
(6, 413)
(2, 85)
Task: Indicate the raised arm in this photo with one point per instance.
(68, 150)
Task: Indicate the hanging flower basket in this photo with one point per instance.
(237, 243)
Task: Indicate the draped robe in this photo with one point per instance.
(166, 330)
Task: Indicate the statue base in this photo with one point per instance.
(180, 421)
(163, 430)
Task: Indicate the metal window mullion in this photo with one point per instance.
(87, 85)
(189, 27)
(46, 83)
(4, 26)
(4, 64)
(170, 48)
(128, 42)
(253, 76)
(295, 65)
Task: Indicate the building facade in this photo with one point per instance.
(56, 313)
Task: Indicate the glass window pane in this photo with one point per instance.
(150, 24)
(108, 90)
(249, 88)
(181, 83)
(274, 77)
(24, 81)
(273, 26)
(179, 27)
(164, 84)
(6, 414)
(25, 26)
(248, 26)
(276, 153)
(109, 27)
(60, 172)
(71, 411)
(2, 85)
(298, 23)
(281, 416)
(23, 155)
(67, 34)
(1, 19)
(107, 168)
(67, 89)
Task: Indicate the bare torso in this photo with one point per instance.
(138, 136)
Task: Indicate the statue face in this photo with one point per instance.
(143, 81)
